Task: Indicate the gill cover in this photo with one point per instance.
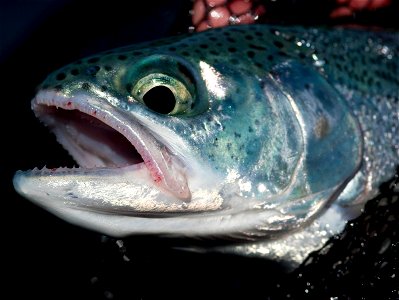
(332, 144)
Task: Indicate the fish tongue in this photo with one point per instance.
(164, 167)
(168, 172)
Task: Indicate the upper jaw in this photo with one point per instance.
(92, 149)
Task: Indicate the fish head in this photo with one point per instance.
(188, 136)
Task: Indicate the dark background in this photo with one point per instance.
(44, 257)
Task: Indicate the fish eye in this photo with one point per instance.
(163, 94)
(160, 99)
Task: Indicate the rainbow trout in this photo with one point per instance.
(270, 135)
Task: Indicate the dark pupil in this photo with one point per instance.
(160, 99)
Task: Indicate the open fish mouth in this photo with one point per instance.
(130, 178)
(99, 137)
(134, 175)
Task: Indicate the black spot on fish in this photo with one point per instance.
(237, 135)
(278, 44)
(92, 71)
(93, 60)
(173, 49)
(226, 33)
(302, 55)
(270, 57)
(103, 88)
(107, 68)
(212, 38)
(256, 47)
(74, 72)
(250, 129)
(370, 81)
(122, 57)
(307, 86)
(185, 53)
(281, 53)
(60, 76)
(232, 49)
(391, 66)
(129, 87)
(258, 65)
(249, 37)
(228, 145)
(257, 122)
(231, 40)
(251, 54)
(86, 86)
(203, 46)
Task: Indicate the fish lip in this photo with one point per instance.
(154, 153)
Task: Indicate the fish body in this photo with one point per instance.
(270, 135)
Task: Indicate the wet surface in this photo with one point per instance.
(357, 264)
(44, 257)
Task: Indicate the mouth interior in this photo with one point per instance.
(91, 142)
(106, 138)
